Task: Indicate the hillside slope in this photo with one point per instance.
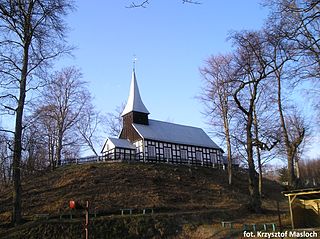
(109, 187)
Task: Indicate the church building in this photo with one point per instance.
(148, 140)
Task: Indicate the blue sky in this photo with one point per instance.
(171, 41)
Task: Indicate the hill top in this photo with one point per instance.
(168, 189)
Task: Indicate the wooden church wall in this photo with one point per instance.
(163, 152)
(119, 154)
(157, 151)
(128, 131)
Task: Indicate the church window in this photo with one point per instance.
(199, 155)
(213, 157)
(219, 158)
(167, 153)
(151, 151)
(183, 153)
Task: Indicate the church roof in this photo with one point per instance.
(174, 133)
(134, 102)
(112, 143)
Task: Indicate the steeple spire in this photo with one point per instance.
(134, 103)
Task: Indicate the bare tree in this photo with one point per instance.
(217, 97)
(34, 154)
(32, 33)
(297, 132)
(46, 129)
(65, 98)
(265, 127)
(63, 122)
(298, 22)
(252, 71)
(113, 121)
(5, 159)
(88, 125)
(285, 56)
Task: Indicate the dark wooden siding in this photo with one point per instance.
(128, 132)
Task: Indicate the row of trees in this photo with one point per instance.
(59, 121)
(32, 35)
(63, 120)
(308, 172)
(247, 92)
(52, 114)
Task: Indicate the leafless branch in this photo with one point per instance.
(141, 4)
(144, 3)
(7, 131)
(191, 1)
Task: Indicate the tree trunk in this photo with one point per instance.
(290, 156)
(51, 151)
(255, 201)
(4, 174)
(228, 141)
(59, 146)
(297, 169)
(256, 132)
(291, 173)
(260, 171)
(16, 213)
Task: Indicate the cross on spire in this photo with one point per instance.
(134, 62)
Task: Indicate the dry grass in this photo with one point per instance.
(169, 189)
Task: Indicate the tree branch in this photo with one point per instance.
(7, 131)
(146, 2)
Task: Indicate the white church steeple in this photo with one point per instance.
(134, 103)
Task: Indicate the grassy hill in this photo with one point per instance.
(186, 201)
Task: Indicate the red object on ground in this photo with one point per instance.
(72, 204)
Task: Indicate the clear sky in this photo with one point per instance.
(171, 41)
